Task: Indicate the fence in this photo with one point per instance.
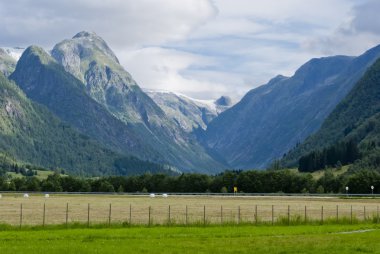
(48, 213)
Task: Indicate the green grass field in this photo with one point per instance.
(211, 239)
(41, 174)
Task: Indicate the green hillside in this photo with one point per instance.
(354, 122)
(29, 133)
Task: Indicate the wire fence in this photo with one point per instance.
(46, 213)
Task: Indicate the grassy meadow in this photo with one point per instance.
(213, 239)
(187, 224)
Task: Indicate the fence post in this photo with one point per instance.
(322, 215)
(109, 215)
(67, 213)
(186, 221)
(337, 213)
(272, 215)
(238, 214)
(365, 217)
(305, 215)
(43, 219)
(351, 214)
(20, 215)
(130, 214)
(88, 215)
(221, 214)
(256, 215)
(288, 214)
(204, 215)
(149, 216)
(169, 216)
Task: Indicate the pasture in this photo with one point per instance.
(92, 209)
(213, 239)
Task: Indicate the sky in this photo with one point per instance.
(201, 48)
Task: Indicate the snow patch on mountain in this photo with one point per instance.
(14, 52)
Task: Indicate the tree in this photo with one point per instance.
(33, 184)
(106, 186)
(320, 189)
(52, 183)
(120, 189)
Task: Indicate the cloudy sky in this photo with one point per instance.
(201, 48)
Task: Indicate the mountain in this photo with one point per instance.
(7, 62)
(355, 119)
(65, 96)
(31, 134)
(273, 118)
(190, 114)
(101, 100)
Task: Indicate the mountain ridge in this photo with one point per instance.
(285, 111)
(189, 113)
(355, 119)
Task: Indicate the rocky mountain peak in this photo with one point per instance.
(224, 101)
(85, 34)
(91, 44)
(83, 49)
(37, 54)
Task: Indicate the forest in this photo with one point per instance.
(251, 181)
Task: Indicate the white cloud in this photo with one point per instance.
(202, 48)
(121, 22)
(357, 33)
(161, 69)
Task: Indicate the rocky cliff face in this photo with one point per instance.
(271, 119)
(190, 114)
(87, 57)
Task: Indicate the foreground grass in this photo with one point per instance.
(211, 239)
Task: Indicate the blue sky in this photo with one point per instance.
(201, 48)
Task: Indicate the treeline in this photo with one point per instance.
(284, 181)
(342, 153)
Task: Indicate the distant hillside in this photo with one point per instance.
(273, 118)
(29, 133)
(355, 119)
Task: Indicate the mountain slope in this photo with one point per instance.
(356, 118)
(64, 95)
(88, 57)
(189, 113)
(271, 119)
(31, 134)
